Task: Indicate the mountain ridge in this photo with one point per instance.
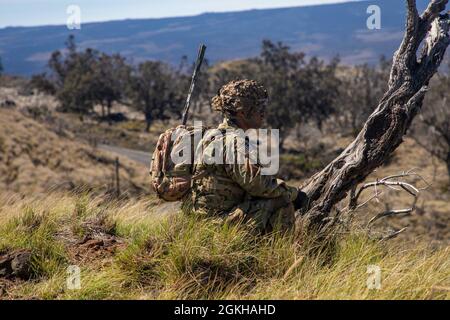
(324, 30)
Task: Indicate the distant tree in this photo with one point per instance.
(319, 87)
(433, 129)
(42, 83)
(228, 71)
(71, 78)
(359, 93)
(280, 72)
(154, 90)
(60, 64)
(111, 74)
(77, 91)
(300, 90)
(82, 79)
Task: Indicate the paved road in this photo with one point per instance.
(136, 155)
(144, 157)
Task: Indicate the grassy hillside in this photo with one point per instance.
(35, 159)
(125, 250)
(55, 212)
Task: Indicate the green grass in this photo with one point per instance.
(35, 232)
(176, 256)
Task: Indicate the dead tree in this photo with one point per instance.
(117, 176)
(433, 130)
(384, 130)
(395, 182)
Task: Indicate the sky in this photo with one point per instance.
(51, 12)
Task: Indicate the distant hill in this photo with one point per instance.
(34, 159)
(324, 30)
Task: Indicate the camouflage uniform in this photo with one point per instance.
(238, 190)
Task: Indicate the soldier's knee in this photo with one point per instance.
(283, 219)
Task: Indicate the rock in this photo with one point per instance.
(5, 265)
(94, 244)
(7, 104)
(109, 242)
(21, 264)
(16, 264)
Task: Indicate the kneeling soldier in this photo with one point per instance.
(237, 190)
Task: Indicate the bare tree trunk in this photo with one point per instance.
(148, 121)
(448, 165)
(108, 108)
(117, 176)
(383, 131)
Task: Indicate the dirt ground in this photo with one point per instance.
(35, 159)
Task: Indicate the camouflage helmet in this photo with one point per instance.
(240, 95)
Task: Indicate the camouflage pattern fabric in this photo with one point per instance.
(264, 214)
(238, 191)
(240, 95)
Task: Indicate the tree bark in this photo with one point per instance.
(108, 108)
(384, 130)
(148, 121)
(448, 166)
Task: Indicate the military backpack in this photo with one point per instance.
(172, 181)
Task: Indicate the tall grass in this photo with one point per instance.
(176, 256)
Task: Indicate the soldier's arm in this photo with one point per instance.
(249, 177)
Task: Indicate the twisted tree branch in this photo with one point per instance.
(383, 131)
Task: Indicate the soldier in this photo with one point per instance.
(238, 191)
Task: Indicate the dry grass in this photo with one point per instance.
(173, 256)
(142, 249)
(34, 159)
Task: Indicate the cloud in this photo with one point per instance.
(378, 36)
(359, 57)
(39, 57)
